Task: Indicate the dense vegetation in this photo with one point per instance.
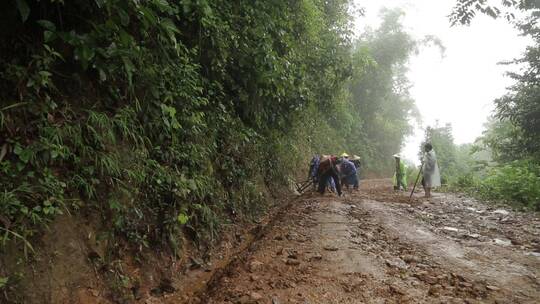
(169, 112)
(381, 105)
(504, 163)
(170, 118)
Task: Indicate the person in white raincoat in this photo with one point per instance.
(431, 177)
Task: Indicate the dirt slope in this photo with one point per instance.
(374, 247)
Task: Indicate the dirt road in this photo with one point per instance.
(374, 247)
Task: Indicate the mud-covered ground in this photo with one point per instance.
(373, 246)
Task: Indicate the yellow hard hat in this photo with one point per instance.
(345, 155)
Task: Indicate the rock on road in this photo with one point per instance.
(374, 247)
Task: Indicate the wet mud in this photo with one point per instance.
(376, 246)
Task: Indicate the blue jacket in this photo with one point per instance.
(314, 167)
(347, 168)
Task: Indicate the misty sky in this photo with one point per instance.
(460, 87)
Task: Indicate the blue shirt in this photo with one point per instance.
(347, 168)
(314, 166)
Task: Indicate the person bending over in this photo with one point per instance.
(327, 171)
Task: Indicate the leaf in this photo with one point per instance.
(25, 156)
(129, 68)
(18, 104)
(149, 18)
(192, 185)
(48, 36)
(163, 6)
(3, 281)
(17, 150)
(115, 205)
(23, 8)
(85, 54)
(490, 12)
(3, 151)
(170, 28)
(46, 24)
(20, 166)
(125, 38)
(15, 234)
(124, 17)
(182, 218)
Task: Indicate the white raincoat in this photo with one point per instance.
(432, 177)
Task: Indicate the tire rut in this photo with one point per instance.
(359, 250)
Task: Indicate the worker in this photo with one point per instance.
(348, 174)
(313, 169)
(331, 185)
(328, 171)
(355, 159)
(431, 176)
(314, 176)
(400, 177)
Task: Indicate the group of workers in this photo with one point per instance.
(337, 172)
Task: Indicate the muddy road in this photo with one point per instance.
(372, 246)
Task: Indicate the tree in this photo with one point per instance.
(502, 139)
(379, 91)
(521, 105)
(465, 10)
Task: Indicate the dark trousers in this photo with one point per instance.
(351, 180)
(325, 177)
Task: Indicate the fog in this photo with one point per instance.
(458, 87)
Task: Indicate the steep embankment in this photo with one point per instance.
(133, 133)
(137, 135)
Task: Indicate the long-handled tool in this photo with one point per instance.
(302, 186)
(416, 182)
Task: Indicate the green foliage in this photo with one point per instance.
(412, 174)
(517, 182)
(517, 113)
(512, 136)
(465, 10)
(381, 106)
(23, 8)
(472, 169)
(165, 117)
(502, 139)
(170, 118)
(521, 106)
(3, 281)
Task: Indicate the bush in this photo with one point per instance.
(412, 173)
(466, 181)
(162, 115)
(517, 182)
